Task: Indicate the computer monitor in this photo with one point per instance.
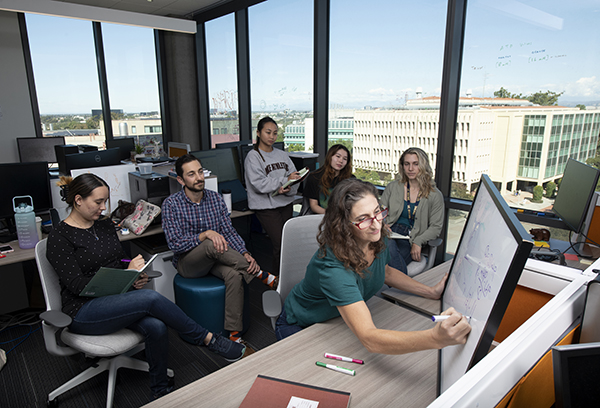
(221, 162)
(100, 158)
(38, 149)
(25, 179)
(576, 369)
(575, 193)
(177, 149)
(125, 145)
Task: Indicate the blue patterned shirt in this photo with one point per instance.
(183, 221)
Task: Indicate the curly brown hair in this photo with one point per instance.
(329, 172)
(336, 229)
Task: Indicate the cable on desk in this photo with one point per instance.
(575, 243)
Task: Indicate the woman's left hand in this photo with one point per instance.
(141, 281)
(415, 252)
(283, 190)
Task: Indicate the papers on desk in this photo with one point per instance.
(269, 392)
(395, 235)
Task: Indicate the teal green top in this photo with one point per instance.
(327, 284)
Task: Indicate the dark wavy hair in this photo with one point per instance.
(329, 172)
(261, 124)
(336, 229)
(82, 185)
(425, 176)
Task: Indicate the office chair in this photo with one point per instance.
(298, 245)
(427, 261)
(113, 350)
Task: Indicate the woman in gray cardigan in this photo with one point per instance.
(416, 208)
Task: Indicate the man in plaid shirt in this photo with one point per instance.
(198, 229)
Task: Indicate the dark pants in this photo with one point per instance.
(146, 312)
(400, 249)
(283, 329)
(272, 221)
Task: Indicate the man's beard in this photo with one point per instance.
(196, 190)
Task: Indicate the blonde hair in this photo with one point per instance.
(425, 176)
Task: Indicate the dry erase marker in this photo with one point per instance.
(336, 368)
(441, 318)
(342, 358)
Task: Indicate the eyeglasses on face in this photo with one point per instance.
(366, 223)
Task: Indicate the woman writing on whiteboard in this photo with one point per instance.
(319, 184)
(416, 208)
(266, 170)
(349, 268)
(84, 242)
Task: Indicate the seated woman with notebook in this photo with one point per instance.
(416, 208)
(349, 268)
(85, 242)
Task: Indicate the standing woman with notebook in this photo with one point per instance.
(84, 242)
(267, 169)
(416, 208)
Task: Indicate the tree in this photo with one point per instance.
(580, 106)
(503, 93)
(459, 190)
(296, 147)
(366, 175)
(547, 98)
(550, 188)
(346, 142)
(538, 192)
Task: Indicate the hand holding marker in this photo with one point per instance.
(441, 318)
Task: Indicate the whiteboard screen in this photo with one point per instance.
(117, 178)
(484, 273)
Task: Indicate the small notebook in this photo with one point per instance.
(269, 392)
(395, 235)
(303, 173)
(112, 281)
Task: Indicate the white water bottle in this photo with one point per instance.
(227, 199)
(25, 222)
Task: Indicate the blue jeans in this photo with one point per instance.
(400, 249)
(283, 329)
(146, 312)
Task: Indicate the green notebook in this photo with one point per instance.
(112, 281)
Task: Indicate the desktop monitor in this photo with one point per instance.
(22, 179)
(177, 149)
(221, 163)
(576, 369)
(100, 158)
(125, 145)
(486, 267)
(575, 193)
(38, 149)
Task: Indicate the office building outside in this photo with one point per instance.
(517, 144)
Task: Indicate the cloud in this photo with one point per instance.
(584, 87)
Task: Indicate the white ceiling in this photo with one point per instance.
(171, 8)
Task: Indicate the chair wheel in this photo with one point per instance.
(52, 403)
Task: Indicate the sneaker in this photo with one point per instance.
(229, 350)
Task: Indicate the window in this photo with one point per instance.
(132, 80)
(66, 78)
(222, 78)
(375, 76)
(281, 62)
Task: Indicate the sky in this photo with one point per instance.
(377, 59)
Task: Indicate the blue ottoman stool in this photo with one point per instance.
(203, 300)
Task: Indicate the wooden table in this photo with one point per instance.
(405, 380)
(425, 306)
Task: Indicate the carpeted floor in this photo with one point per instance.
(31, 372)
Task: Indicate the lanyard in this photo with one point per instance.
(412, 210)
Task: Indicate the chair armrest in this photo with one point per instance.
(271, 303)
(56, 318)
(435, 242)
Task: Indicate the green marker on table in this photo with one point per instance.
(336, 368)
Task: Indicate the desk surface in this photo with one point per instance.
(429, 278)
(403, 380)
